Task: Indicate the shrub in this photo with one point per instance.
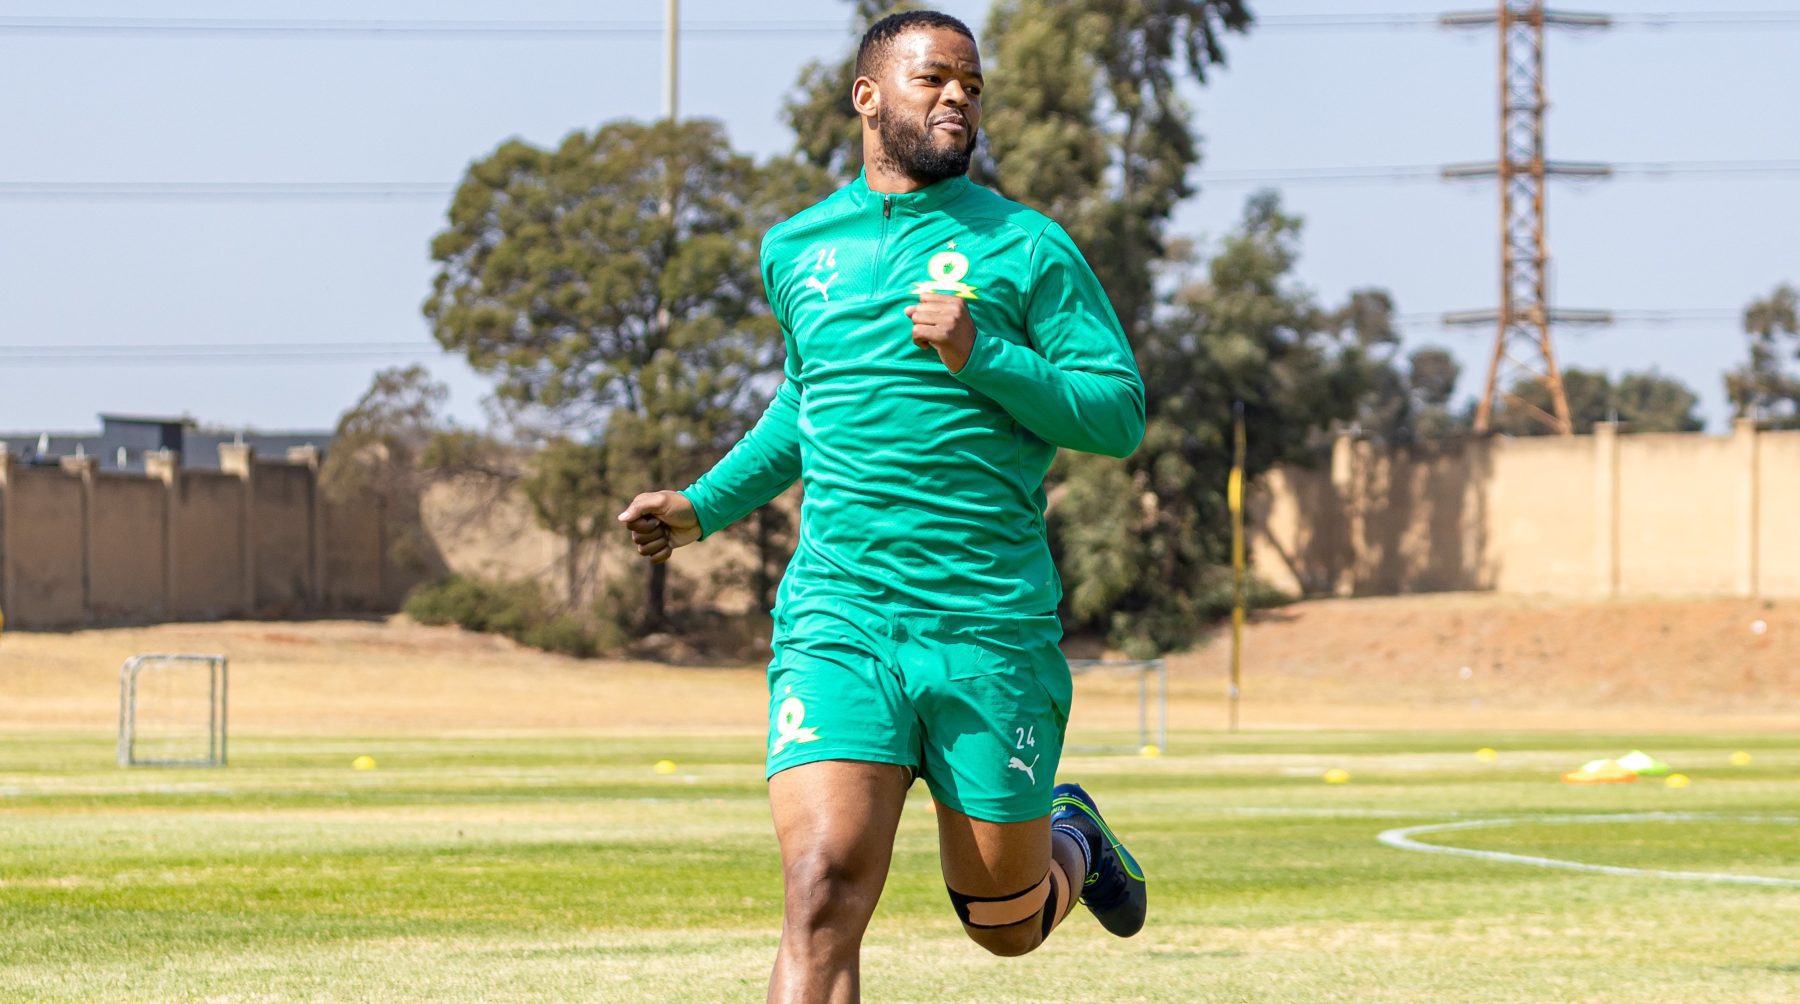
(517, 610)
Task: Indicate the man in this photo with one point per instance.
(942, 343)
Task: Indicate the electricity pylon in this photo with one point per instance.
(1522, 338)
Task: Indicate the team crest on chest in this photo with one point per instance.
(947, 269)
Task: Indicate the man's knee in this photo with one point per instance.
(1008, 941)
(1008, 925)
(822, 888)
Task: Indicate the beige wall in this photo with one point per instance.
(1418, 524)
(354, 545)
(281, 535)
(1680, 517)
(44, 548)
(207, 527)
(1606, 514)
(81, 547)
(126, 549)
(1778, 513)
(1542, 515)
(1299, 539)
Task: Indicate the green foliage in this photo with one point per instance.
(567, 490)
(613, 284)
(372, 466)
(1140, 547)
(827, 131)
(1087, 123)
(1645, 402)
(378, 442)
(617, 273)
(1082, 119)
(1410, 405)
(1765, 388)
(517, 610)
(461, 452)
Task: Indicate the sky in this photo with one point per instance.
(146, 275)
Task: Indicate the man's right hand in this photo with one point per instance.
(659, 523)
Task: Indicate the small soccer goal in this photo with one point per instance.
(172, 711)
(1153, 701)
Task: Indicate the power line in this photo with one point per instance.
(210, 354)
(1672, 317)
(393, 29)
(224, 191)
(524, 30)
(432, 191)
(305, 353)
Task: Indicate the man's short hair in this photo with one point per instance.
(878, 41)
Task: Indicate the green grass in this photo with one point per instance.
(484, 869)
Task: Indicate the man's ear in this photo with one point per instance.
(865, 97)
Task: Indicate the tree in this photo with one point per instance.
(1645, 402)
(1140, 548)
(827, 131)
(1086, 126)
(567, 491)
(375, 455)
(612, 286)
(1763, 388)
(1407, 399)
(1651, 402)
(380, 438)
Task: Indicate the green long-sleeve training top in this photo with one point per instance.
(924, 488)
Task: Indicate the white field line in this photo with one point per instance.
(1401, 838)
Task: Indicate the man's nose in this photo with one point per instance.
(954, 94)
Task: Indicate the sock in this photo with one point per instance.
(1081, 841)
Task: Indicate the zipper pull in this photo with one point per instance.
(887, 207)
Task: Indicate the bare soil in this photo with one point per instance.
(1440, 661)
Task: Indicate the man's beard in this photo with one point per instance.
(913, 153)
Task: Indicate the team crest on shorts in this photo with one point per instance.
(788, 728)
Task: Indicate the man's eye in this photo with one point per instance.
(932, 78)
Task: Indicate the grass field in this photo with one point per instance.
(562, 867)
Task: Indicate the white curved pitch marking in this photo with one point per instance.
(1401, 838)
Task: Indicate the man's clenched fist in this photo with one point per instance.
(659, 523)
(943, 323)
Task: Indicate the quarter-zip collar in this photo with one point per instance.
(924, 200)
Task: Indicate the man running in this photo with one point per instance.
(942, 343)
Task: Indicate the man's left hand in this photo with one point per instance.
(943, 323)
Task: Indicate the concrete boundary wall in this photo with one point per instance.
(78, 547)
(1600, 515)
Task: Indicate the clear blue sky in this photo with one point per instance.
(87, 108)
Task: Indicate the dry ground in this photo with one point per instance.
(1394, 662)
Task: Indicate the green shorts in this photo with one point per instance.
(976, 704)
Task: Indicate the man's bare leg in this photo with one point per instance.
(835, 820)
(1025, 877)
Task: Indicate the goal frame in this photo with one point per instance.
(218, 686)
(1146, 668)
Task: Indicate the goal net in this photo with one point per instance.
(1153, 700)
(172, 711)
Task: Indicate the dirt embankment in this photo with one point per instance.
(1446, 661)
